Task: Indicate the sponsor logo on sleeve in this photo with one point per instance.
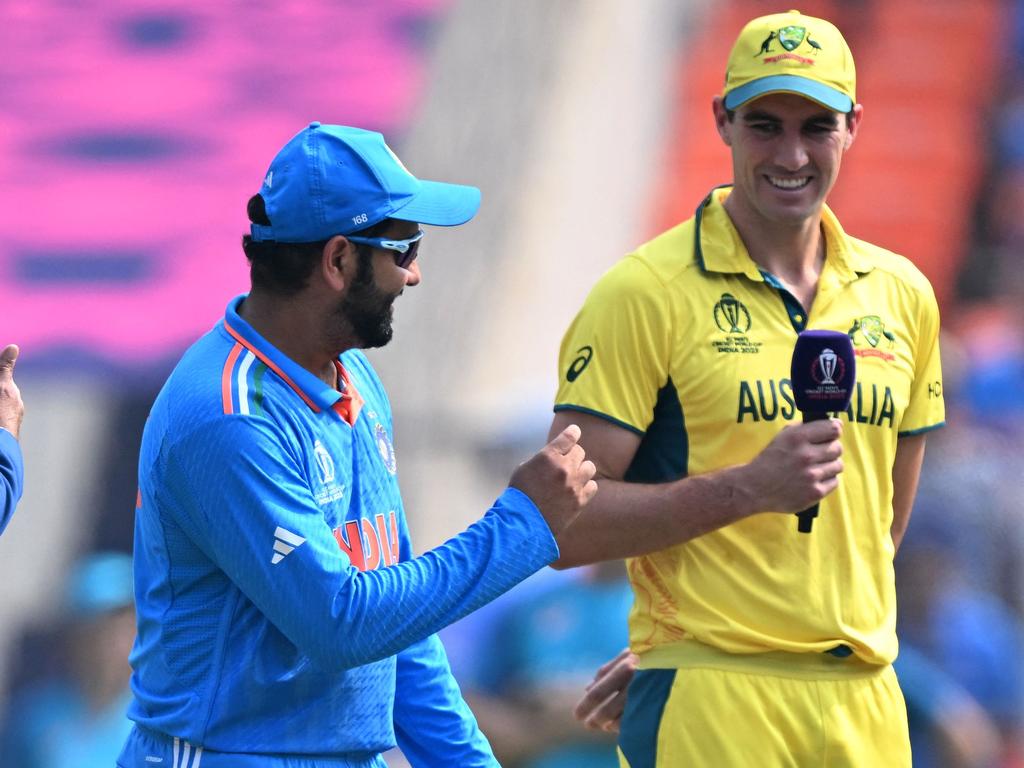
(579, 364)
(285, 542)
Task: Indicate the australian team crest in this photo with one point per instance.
(790, 38)
(386, 449)
(871, 338)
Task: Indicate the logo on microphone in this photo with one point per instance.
(828, 369)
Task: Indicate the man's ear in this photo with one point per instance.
(853, 125)
(722, 122)
(338, 262)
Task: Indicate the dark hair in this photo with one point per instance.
(284, 269)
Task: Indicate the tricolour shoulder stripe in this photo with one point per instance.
(270, 364)
(225, 379)
(243, 382)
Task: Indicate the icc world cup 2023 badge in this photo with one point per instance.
(827, 363)
(828, 370)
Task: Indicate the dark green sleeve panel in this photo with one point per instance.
(664, 451)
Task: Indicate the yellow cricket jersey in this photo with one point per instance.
(688, 343)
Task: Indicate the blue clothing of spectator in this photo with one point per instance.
(541, 644)
(55, 727)
(12, 476)
(978, 639)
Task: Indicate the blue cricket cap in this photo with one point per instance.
(334, 180)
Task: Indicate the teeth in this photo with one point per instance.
(788, 183)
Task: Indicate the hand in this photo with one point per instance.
(12, 409)
(604, 701)
(558, 479)
(798, 468)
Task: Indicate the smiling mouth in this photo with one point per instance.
(788, 184)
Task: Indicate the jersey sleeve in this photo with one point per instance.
(615, 356)
(12, 476)
(236, 489)
(433, 724)
(926, 409)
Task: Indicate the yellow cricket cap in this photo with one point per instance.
(791, 53)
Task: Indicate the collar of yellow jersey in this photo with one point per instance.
(719, 247)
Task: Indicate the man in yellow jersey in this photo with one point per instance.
(757, 645)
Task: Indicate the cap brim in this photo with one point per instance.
(440, 204)
(828, 97)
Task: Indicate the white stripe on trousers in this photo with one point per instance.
(186, 754)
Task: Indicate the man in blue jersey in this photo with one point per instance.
(12, 409)
(282, 618)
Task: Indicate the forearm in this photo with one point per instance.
(906, 473)
(439, 587)
(631, 519)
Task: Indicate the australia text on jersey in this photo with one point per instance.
(771, 399)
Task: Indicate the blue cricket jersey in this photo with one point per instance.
(12, 476)
(280, 609)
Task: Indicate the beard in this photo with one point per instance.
(367, 309)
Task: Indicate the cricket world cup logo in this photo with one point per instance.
(828, 369)
(827, 362)
(731, 316)
(324, 462)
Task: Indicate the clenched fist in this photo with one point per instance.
(558, 479)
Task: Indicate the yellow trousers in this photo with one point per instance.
(772, 710)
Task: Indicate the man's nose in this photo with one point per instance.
(412, 273)
(792, 154)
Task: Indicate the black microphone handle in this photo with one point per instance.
(805, 519)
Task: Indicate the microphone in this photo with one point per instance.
(822, 372)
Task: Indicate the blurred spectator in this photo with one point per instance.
(970, 633)
(80, 721)
(948, 728)
(537, 650)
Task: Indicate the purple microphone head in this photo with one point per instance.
(823, 371)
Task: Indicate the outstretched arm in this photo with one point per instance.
(799, 467)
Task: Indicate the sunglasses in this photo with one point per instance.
(404, 250)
